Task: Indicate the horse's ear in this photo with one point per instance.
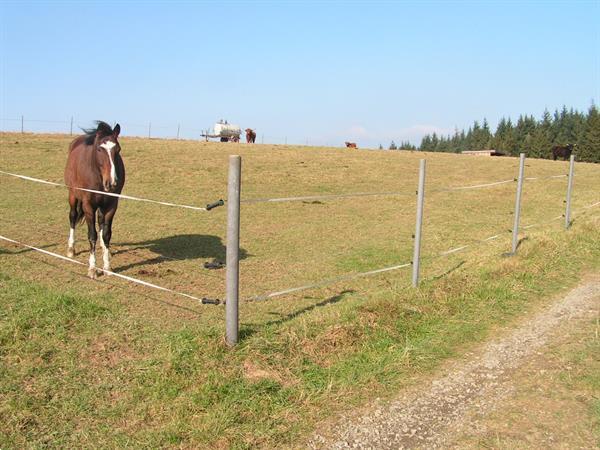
(117, 130)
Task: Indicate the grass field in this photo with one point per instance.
(107, 363)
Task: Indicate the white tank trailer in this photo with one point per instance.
(226, 132)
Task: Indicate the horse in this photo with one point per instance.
(562, 151)
(351, 145)
(250, 136)
(94, 162)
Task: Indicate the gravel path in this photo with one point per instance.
(424, 416)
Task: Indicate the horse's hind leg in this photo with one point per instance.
(73, 216)
(90, 218)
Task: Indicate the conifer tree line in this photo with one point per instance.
(404, 145)
(533, 137)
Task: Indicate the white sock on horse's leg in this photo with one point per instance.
(92, 266)
(105, 254)
(71, 243)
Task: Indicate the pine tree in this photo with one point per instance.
(469, 140)
(524, 134)
(481, 138)
(504, 139)
(393, 146)
(407, 146)
(542, 138)
(589, 146)
(434, 142)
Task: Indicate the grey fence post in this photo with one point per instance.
(515, 238)
(233, 250)
(419, 223)
(569, 189)
(178, 125)
(22, 120)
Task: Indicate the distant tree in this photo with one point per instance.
(541, 140)
(393, 146)
(588, 148)
(504, 139)
(434, 142)
(524, 134)
(380, 147)
(486, 135)
(469, 140)
(406, 146)
(480, 138)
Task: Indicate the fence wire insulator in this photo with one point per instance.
(211, 301)
(215, 204)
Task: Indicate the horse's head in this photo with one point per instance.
(107, 148)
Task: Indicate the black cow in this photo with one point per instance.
(562, 151)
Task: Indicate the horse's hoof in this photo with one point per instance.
(70, 253)
(102, 272)
(92, 273)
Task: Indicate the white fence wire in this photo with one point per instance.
(291, 290)
(110, 194)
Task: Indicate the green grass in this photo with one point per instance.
(106, 364)
(584, 358)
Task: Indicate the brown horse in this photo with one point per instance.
(250, 136)
(351, 145)
(562, 151)
(94, 163)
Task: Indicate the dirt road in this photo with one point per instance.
(496, 397)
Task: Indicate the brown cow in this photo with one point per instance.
(250, 136)
(351, 145)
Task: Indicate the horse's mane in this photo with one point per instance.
(102, 128)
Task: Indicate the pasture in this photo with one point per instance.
(108, 363)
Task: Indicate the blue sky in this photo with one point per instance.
(316, 72)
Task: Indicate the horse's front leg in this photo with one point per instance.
(90, 218)
(72, 222)
(105, 226)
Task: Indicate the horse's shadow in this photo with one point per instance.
(178, 248)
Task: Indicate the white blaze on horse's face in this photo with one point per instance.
(108, 146)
